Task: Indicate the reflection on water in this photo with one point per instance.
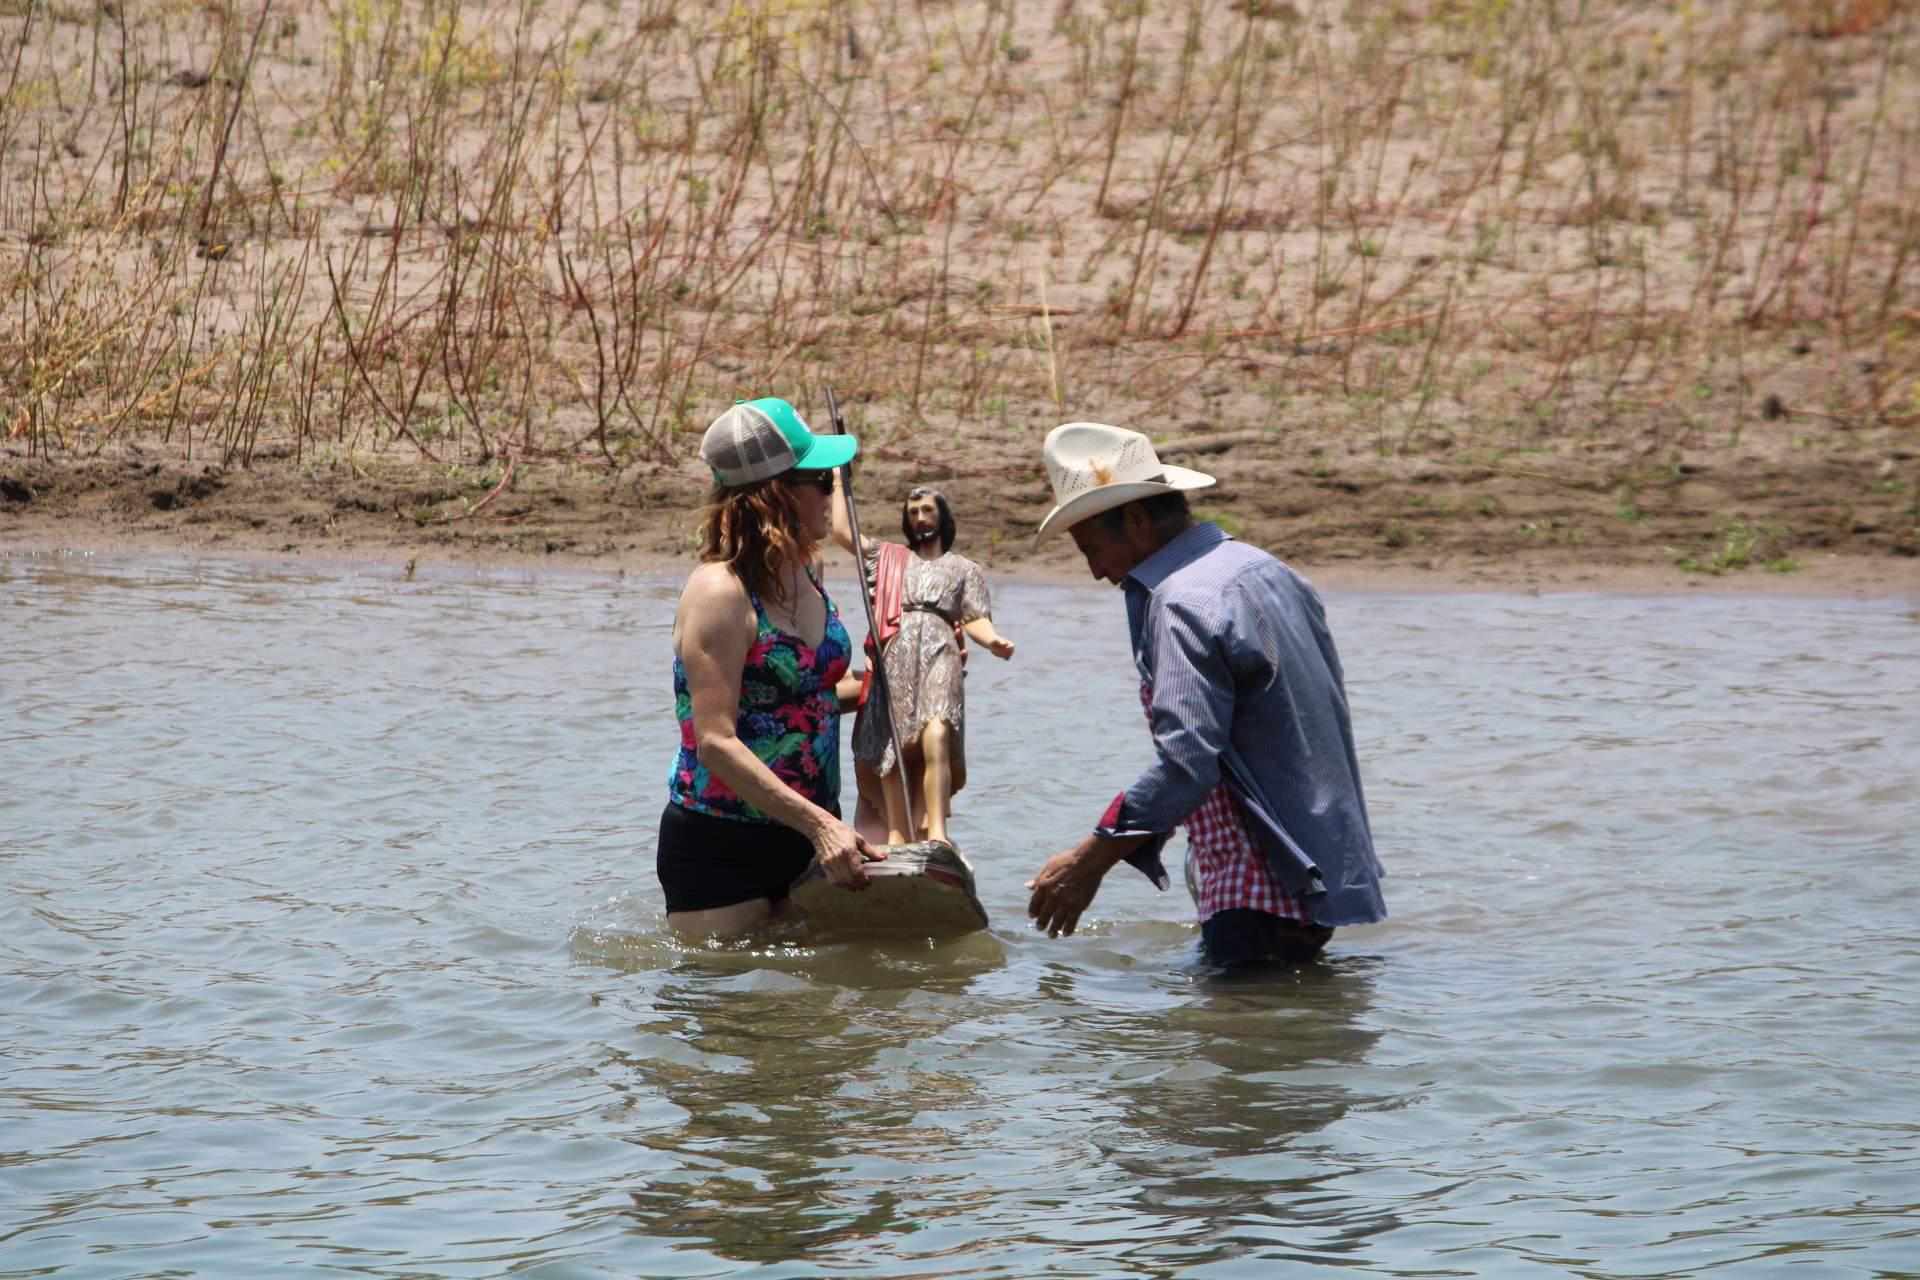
(330, 940)
(833, 1105)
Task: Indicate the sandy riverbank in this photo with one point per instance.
(1715, 525)
(1482, 296)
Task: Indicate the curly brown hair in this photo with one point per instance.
(752, 529)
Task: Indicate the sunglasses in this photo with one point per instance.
(821, 480)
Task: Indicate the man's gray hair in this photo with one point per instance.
(1168, 513)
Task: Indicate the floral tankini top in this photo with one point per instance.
(789, 717)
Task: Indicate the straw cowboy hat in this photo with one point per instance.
(1095, 468)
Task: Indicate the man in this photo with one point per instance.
(1253, 746)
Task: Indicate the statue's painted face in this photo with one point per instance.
(923, 517)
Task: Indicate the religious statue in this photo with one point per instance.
(926, 599)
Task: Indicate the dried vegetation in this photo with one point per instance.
(1450, 244)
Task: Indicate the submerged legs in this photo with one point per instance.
(732, 921)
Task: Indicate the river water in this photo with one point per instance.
(330, 944)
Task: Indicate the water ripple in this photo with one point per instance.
(330, 942)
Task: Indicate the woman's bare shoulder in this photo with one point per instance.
(714, 590)
(714, 609)
(714, 580)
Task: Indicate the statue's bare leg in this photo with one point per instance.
(917, 787)
(870, 813)
(936, 751)
(894, 794)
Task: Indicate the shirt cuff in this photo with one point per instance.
(1146, 859)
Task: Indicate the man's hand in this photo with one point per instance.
(1066, 884)
(844, 854)
(1063, 889)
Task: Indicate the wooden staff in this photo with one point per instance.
(873, 627)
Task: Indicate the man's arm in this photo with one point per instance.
(1191, 716)
(1191, 713)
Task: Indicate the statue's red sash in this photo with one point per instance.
(889, 593)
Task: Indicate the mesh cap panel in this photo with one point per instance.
(745, 444)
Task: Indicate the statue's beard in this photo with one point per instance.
(921, 537)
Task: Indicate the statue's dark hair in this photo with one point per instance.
(948, 529)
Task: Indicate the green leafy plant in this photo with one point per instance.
(1737, 545)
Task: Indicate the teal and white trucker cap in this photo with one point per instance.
(758, 439)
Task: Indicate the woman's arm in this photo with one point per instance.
(842, 521)
(847, 692)
(713, 628)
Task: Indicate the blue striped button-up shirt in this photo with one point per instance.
(1247, 689)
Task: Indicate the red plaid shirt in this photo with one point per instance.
(1225, 868)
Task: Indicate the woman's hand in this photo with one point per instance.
(844, 854)
(1000, 647)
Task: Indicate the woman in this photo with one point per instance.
(925, 597)
(757, 650)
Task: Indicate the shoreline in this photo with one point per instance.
(1836, 576)
(1723, 523)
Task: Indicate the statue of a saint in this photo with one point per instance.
(925, 599)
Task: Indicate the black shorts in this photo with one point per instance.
(1240, 936)
(707, 862)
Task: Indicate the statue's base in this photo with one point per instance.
(922, 890)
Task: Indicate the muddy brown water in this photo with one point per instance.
(330, 944)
